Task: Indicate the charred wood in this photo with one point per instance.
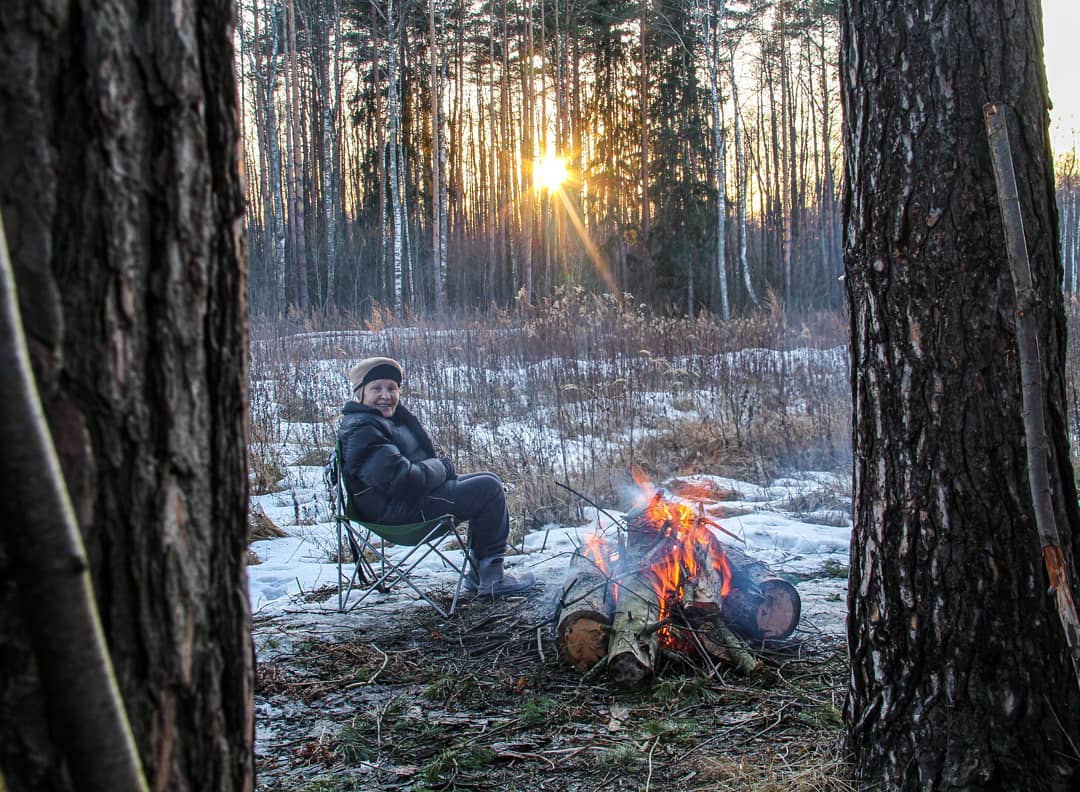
(759, 605)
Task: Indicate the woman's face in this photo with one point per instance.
(382, 394)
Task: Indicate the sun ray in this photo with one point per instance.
(590, 247)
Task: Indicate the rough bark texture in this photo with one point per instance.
(584, 614)
(44, 546)
(960, 676)
(120, 189)
(632, 645)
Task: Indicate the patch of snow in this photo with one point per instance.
(294, 567)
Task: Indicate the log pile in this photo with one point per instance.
(667, 584)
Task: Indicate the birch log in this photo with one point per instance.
(633, 644)
(584, 615)
(759, 605)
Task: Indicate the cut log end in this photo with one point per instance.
(584, 616)
(779, 611)
(628, 669)
(583, 639)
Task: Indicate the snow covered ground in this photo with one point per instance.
(798, 525)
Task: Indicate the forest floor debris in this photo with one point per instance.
(401, 699)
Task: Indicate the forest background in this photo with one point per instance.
(449, 156)
(511, 173)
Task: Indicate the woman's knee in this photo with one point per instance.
(486, 485)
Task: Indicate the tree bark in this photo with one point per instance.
(645, 220)
(52, 577)
(958, 660)
(786, 158)
(438, 249)
(294, 120)
(743, 263)
(330, 98)
(633, 643)
(120, 189)
(710, 24)
(584, 617)
(394, 142)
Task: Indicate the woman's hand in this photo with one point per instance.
(450, 472)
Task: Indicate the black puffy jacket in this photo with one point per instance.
(389, 463)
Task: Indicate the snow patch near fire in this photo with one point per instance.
(799, 526)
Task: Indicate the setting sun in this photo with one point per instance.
(550, 172)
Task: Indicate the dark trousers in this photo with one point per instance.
(478, 498)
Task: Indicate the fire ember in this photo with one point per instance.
(667, 583)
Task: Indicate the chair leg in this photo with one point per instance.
(391, 573)
(340, 552)
(362, 571)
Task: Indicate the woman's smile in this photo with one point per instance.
(383, 395)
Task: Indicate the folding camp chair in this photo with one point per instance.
(370, 545)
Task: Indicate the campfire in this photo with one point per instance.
(665, 582)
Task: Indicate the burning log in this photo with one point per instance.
(759, 605)
(634, 640)
(584, 615)
(704, 602)
(705, 591)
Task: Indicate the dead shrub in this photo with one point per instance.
(262, 527)
(577, 390)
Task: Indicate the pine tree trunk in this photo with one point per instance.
(508, 272)
(711, 24)
(1070, 229)
(120, 188)
(382, 158)
(775, 198)
(645, 220)
(828, 184)
(437, 248)
(785, 156)
(296, 165)
(740, 186)
(330, 98)
(443, 218)
(528, 152)
(958, 659)
(494, 239)
(1074, 237)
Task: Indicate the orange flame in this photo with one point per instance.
(596, 550)
(685, 533)
(680, 544)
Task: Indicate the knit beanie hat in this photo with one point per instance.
(373, 368)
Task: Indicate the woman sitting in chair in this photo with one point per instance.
(394, 477)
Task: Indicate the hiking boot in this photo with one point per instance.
(486, 578)
(472, 579)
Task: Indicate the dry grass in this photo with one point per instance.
(577, 390)
(810, 768)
